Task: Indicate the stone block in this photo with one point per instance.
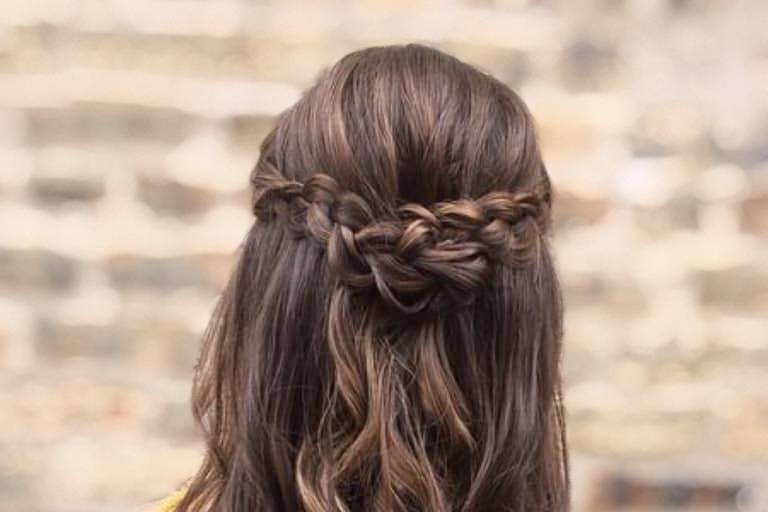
(168, 197)
(57, 340)
(753, 209)
(104, 123)
(741, 288)
(37, 269)
(572, 209)
(130, 272)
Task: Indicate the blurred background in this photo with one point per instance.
(127, 132)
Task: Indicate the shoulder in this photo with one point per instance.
(169, 504)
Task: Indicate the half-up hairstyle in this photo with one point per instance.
(390, 338)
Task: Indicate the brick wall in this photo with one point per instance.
(127, 131)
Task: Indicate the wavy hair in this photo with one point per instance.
(390, 337)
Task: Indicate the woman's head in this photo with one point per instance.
(390, 337)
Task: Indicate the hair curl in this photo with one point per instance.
(390, 338)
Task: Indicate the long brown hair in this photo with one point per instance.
(390, 338)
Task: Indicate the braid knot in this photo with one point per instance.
(437, 256)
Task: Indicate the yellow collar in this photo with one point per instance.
(169, 503)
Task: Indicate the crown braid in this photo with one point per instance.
(434, 256)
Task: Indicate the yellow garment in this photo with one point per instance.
(169, 503)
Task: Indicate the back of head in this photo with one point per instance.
(390, 338)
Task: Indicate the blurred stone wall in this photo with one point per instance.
(127, 131)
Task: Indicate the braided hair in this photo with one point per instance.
(437, 256)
